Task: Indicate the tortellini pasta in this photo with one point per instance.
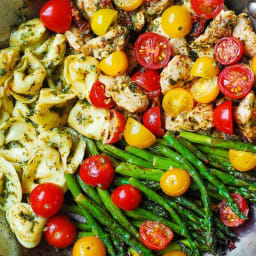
(81, 72)
(29, 34)
(6, 106)
(10, 187)
(27, 226)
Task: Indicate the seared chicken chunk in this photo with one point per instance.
(125, 93)
(176, 73)
(200, 118)
(245, 116)
(102, 46)
(244, 31)
(157, 7)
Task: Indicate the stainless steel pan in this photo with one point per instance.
(10, 12)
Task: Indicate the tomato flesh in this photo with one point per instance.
(152, 50)
(152, 121)
(126, 197)
(223, 117)
(56, 15)
(97, 171)
(60, 231)
(46, 199)
(236, 81)
(227, 216)
(207, 8)
(155, 235)
(228, 50)
(98, 97)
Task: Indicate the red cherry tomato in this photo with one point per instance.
(152, 50)
(155, 235)
(152, 121)
(223, 117)
(46, 199)
(227, 216)
(228, 50)
(60, 231)
(207, 8)
(236, 81)
(126, 197)
(117, 125)
(154, 96)
(56, 15)
(98, 97)
(97, 171)
(199, 24)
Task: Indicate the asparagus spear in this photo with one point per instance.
(84, 234)
(213, 151)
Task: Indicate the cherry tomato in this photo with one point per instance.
(60, 231)
(175, 182)
(253, 65)
(152, 121)
(207, 8)
(89, 246)
(152, 50)
(227, 216)
(117, 125)
(198, 27)
(176, 21)
(56, 15)
(138, 135)
(228, 50)
(126, 197)
(129, 5)
(155, 235)
(242, 161)
(98, 97)
(223, 117)
(46, 199)
(97, 171)
(154, 96)
(175, 253)
(236, 81)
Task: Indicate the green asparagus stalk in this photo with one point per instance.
(91, 148)
(213, 151)
(83, 226)
(84, 234)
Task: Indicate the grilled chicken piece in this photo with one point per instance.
(245, 116)
(156, 7)
(176, 73)
(125, 93)
(200, 118)
(100, 47)
(244, 31)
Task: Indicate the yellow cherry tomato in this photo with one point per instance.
(253, 65)
(205, 67)
(177, 101)
(175, 253)
(175, 182)
(176, 21)
(138, 135)
(205, 90)
(102, 19)
(89, 246)
(242, 161)
(128, 5)
(115, 64)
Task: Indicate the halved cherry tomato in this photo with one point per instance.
(155, 235)
(176, 21)
(154, 96)
(227, 216)
(152, 121)
(116, 127)
(129, 5)
(175, 253)
(198, 26)
(175, 182)
(97, 171)
(207, 8)
(98, 97)
(126, 197)
(138, 135)
(223, 117)
(60, 231)
(56, 15)
(89, 246)
(177, 101)
(228, 50)
(236, 81)
(253, 65)
(101, 20)
(242, 161)
(46, 199)
(152, 50)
